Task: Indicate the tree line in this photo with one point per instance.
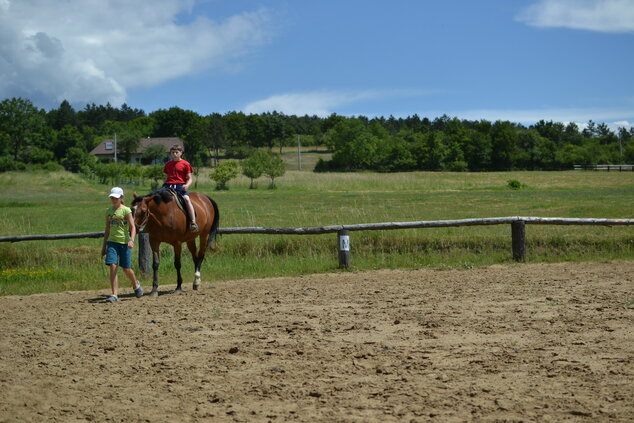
(30, 136)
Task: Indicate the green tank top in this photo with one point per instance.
(119, 230)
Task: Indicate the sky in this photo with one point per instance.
(516, 60)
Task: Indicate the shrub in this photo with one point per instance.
(155, 173)
(153, 154)
(514, 184)
(52, 166)
(75, 159)
(253, 166)
(458, 166)
(273, 168)
(7, 164)
(223, 173)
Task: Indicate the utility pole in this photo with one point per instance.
(621, 148)
(299, 153)
(115, 147)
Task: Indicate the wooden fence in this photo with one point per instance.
(607, 167)
(518, 232)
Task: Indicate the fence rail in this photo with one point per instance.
(620, 168)
(518, 231)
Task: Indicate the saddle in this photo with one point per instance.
(180, 202)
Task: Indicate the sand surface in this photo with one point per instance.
(526, 342)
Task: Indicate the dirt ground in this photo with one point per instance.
(526, 342)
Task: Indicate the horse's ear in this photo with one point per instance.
(134, 194)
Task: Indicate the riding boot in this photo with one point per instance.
(193, 227)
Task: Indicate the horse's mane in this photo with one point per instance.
(163, 195)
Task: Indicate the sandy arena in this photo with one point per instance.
(531, 343)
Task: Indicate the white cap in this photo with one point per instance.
(116, 192)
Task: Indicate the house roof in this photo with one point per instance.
(166, 142)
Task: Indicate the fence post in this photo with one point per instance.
(518, 233)
(344, 248)
(145, 252)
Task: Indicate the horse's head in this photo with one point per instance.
(140, 210)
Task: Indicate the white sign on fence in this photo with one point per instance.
(344, 243)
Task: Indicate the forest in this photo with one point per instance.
(31, 137)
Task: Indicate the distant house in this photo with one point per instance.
(105, 149)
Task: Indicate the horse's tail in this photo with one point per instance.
(214, 225)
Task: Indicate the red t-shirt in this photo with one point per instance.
(177, 172)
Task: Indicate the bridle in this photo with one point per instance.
(146, 217)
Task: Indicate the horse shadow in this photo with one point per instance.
(102, 298)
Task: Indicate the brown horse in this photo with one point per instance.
(165, 221)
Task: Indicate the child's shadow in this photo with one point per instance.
(103, 298)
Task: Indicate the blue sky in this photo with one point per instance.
(518, 60)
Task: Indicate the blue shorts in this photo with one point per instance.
(176, 187)
(119, 254)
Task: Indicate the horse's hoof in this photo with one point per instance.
(195, 287)
(154, 294)
(178, 291)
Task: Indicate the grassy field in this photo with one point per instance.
(307, 158)
(60, 202)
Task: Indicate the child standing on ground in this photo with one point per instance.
(179, 178)
(118, 242)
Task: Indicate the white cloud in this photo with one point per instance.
(322, 103)
(614, 126)
(593, 15)
(94, 50)
(309, 103)
(614, 118)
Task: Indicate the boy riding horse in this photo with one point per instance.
(179, 178)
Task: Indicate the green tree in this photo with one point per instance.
(430, 150)
(254, 130)
(275, 129)
(153, 153)
(176, 122)
(554, 131)
(571, 155)
(503, 140)
(343, 133)
(129, 143)
(590, 131)
(534, 151)
(224, 172)
(397, 158)
(155, 173)
(217, 134)
(63, 116)
(21, 123)
(127, 114)
(172, 122)
(572, 134)
(36, 155)
(196, 137)
(253, 166)
(628, 152)
(236, 133)
(274, 167)
(76, 159)
(478, 150)
(95, 116)
(68, 137)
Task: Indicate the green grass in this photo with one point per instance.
(59, 202)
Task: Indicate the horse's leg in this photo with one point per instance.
(155, 266)
(202, 248)
(197, 261)
(177, 264)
